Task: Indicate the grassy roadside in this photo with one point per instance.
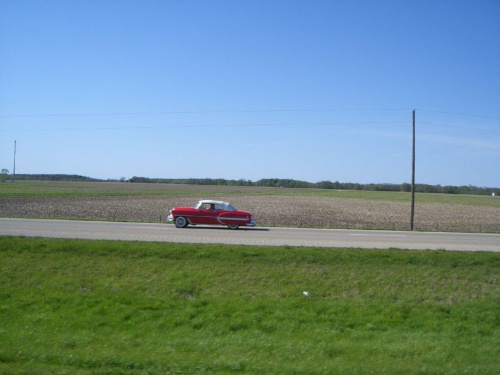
(27, 189)
(100, 307)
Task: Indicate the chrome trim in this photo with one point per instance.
(249, 224)
(170, 218)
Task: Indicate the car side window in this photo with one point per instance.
(209, 206)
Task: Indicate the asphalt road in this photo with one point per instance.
(251, 236)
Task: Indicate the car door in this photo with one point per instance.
(207, 215)
(211, 216)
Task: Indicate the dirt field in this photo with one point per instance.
(267, 211)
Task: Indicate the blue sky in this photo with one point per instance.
(309, 90)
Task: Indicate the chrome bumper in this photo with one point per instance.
(251, 224)
(170, 218)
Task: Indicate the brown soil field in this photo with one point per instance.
(295, 211)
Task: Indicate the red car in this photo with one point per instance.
(212, 213)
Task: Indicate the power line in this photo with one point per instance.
(208, 126)
(458, 113)
(250, 111)
(250, 125)
(201, 112)
(242, 111)
(460, 127)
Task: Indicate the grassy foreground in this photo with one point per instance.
(99, 307)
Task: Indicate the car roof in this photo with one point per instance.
(224, 205)
(213, 202)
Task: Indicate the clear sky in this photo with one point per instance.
(309, 90)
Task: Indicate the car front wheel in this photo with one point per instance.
(233, 226)
(180, 222)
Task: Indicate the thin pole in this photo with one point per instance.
(15, 143)
(413, 176)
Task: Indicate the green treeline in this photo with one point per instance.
(53, 177)
(272, 182)
(290, 183)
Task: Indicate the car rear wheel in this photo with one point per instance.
(180, 222)
(232, 226)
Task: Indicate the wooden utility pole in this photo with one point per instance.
(14, 180)
(413, 176)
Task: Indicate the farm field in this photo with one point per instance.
(100, 307)
(270, 206)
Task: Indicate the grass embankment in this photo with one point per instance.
(97, 307)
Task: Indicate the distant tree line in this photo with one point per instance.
(290, 183)
(273, 182)
(55, 177)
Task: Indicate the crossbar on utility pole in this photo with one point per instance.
(413, 176)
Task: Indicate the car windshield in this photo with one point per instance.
(230, 207)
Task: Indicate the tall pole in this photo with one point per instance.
(413, 176)
(15, 143)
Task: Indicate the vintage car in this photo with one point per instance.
(212, 213)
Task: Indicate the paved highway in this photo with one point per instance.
(251, 236)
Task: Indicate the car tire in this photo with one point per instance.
(180, 222)
(233, 226)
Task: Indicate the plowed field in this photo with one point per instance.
(268, 210)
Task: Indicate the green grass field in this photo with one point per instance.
(26, 189)
(98, 307)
